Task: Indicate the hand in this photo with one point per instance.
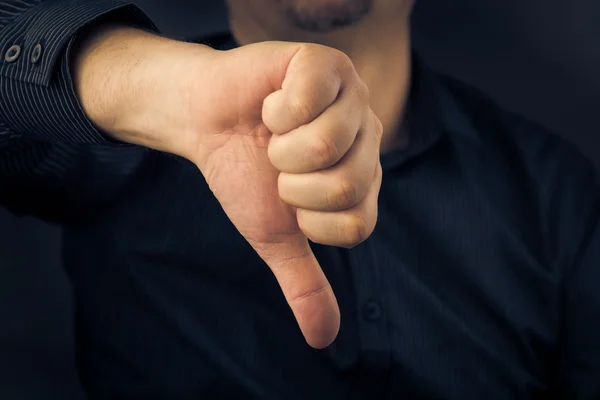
(282, 133)
(290, 147)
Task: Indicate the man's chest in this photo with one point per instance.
(443, 300)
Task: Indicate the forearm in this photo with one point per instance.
(127, 81)
(39, 101)
(43, 130)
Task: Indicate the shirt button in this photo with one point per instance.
(12, 53)
(36, 54)
(372, 311)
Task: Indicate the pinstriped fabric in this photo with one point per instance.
(53, 27)
(42, 125)
(48, 108)
(12, 9)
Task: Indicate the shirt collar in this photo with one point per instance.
(422, 116)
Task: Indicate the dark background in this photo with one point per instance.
(537, 57)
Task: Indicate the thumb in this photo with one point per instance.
(305, 288)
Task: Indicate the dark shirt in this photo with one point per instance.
(480, 280)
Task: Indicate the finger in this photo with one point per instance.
(312, 83)
(305, 288)
(324, 141)
(337, 188)
(343, 228)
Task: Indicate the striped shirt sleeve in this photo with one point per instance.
(37, 98)
(44, 132)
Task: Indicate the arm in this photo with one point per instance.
(47, 137)
(38, 99)
(224, 111)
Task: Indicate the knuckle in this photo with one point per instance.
(344, 195)
(308, 49)
(355, 230)
(362, 91)
(301, 110)
(379, 174)
(377, 126)
(342, 61)
(300, 296)
(323, 152)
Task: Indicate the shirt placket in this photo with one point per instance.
(373, 310)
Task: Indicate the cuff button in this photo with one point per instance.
(36, 54)
(13, 53)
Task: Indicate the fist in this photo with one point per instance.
(325, 145)
(290, 147)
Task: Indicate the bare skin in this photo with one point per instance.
(284, 134)
(378, 43)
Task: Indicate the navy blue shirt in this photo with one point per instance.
(480, 279)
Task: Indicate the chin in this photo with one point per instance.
(325, 15)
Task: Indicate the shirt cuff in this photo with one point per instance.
(38, 98)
